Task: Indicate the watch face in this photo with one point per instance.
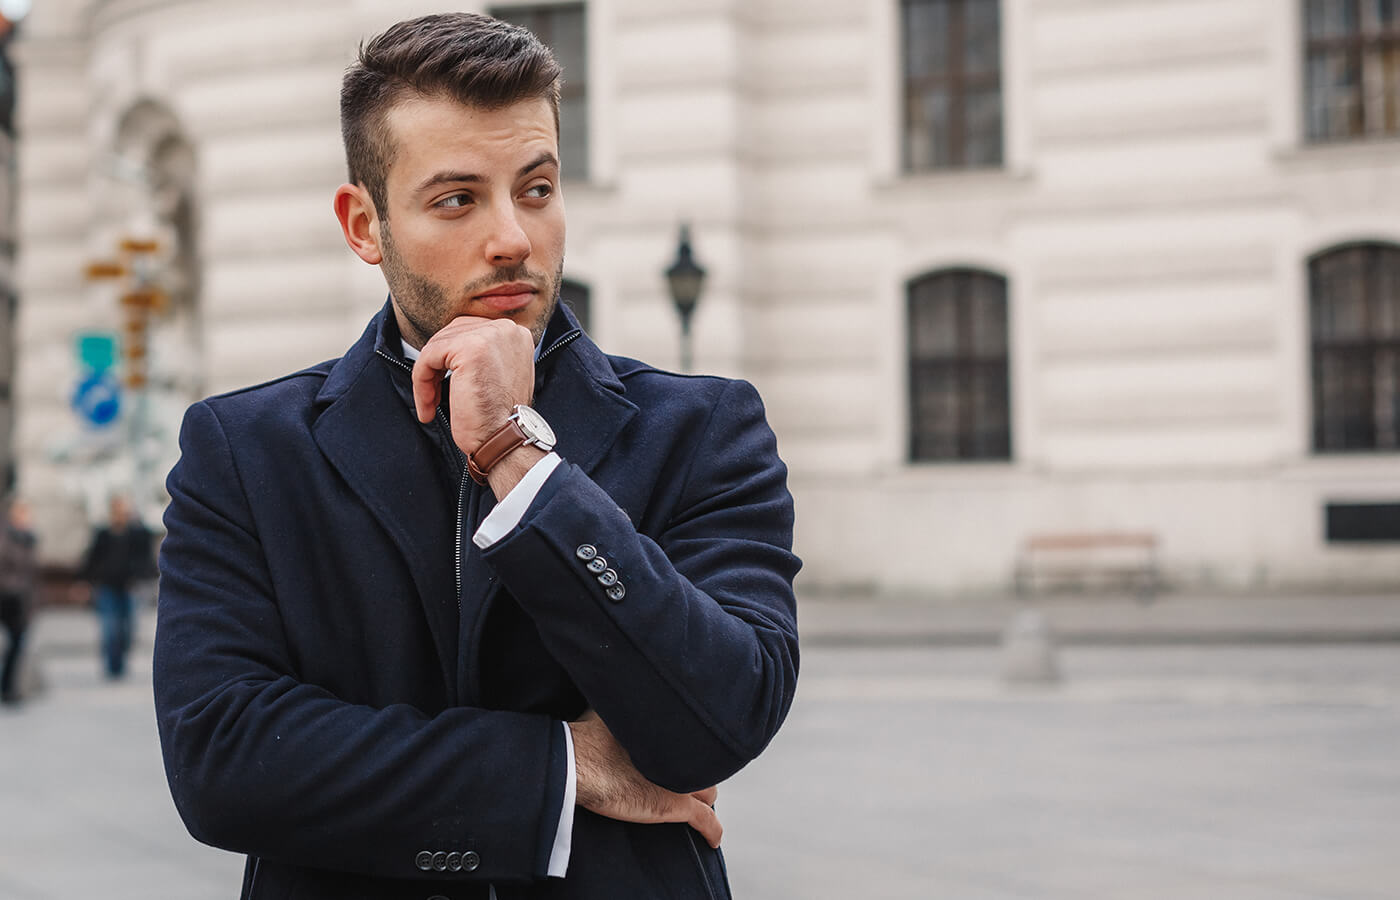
(534, 426)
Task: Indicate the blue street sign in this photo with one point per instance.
(98, 398)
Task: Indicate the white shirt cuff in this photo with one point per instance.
(564, 837)
(509, 511)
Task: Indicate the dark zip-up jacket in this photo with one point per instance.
(354, 695)
(117, 557)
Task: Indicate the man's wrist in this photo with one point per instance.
(506, 473)
(511, 509)
(523, 427)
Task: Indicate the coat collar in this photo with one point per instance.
(368, 432)
(381, 336)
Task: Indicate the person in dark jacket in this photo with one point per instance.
(493, 634)
(119, 556)
(18, 567)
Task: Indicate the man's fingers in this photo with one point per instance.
(703, 819)
(626, 795)
(428, 372)
(433, 364)
(497, 363)
(427, 388)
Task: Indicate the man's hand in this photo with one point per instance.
(609, 785)
(493, 368)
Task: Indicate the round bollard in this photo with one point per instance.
(1028, 651)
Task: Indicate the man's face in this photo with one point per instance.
(476, 212)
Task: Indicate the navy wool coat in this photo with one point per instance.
(355, 696)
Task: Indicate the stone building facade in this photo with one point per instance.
(998, 268)
(8, 224)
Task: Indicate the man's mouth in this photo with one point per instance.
(506, 298)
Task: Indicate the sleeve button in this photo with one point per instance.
(617, 592)
(440, 861)
(424, 861)
(454, 862)
(586, 552)
(471, 860)
(607, 578)
(597, 564)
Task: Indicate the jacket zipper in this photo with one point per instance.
(461, 490)
(564, 341)
(462, 457)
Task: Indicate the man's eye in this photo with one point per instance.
(540, 191)
(456, 201)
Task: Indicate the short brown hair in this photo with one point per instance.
(474, 59)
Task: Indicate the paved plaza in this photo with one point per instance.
(1249, 772)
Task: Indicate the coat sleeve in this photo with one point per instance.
(263, 763)
(693, 663)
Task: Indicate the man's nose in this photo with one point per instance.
(507, 243)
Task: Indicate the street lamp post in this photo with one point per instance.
(685, 278)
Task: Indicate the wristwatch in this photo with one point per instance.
(525, 426)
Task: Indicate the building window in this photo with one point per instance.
(1352, 58)
(952, 84)
(1355, 300)
(959, 373)
(561, 27)
(575, 296)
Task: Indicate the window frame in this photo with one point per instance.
(1375, 95)
(958, 84)
(965, 365)
(1335, 422)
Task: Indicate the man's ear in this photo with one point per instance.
(359, 222)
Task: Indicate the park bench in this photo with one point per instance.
(1089, 560)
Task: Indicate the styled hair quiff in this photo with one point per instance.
(476, 60)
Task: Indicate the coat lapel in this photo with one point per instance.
(582, 400)
(375, 444)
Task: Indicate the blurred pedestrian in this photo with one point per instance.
(119, 556)
(17, 578)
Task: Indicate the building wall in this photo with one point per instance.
(253, 88)
(1153, 220)
(8, 226)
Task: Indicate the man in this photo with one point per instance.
(415, 642)
(19, 570)
(119, 555)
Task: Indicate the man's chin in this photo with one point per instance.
(534, 316)
(541, 321)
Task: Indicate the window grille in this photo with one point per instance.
(1351, 69)
(1355, 312)
(959, 372)
(952, 84)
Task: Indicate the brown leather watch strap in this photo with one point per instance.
(508, 437)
